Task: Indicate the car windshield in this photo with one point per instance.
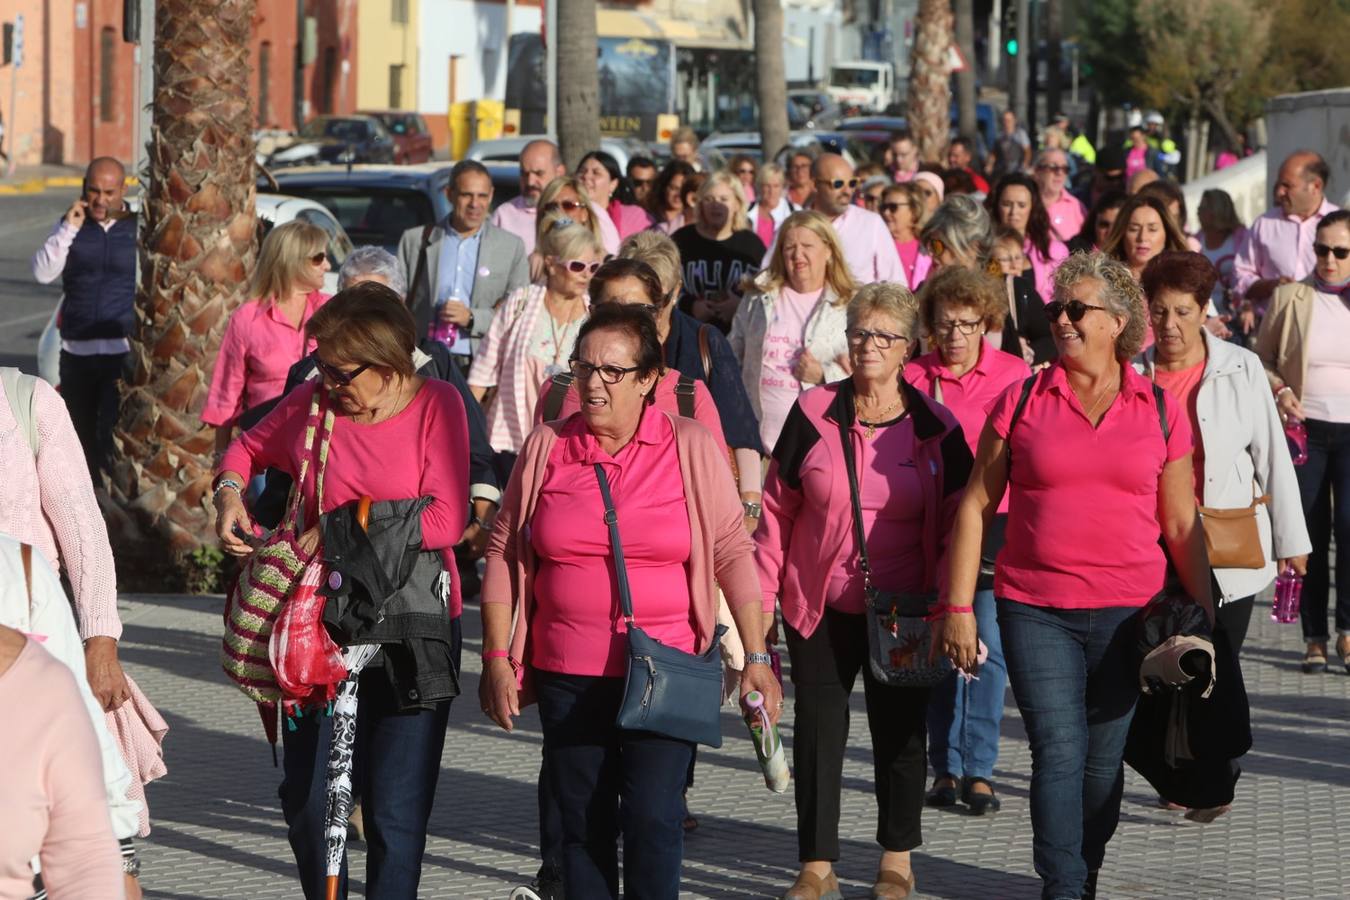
(374, 215)
(341, 129)
(847, 77)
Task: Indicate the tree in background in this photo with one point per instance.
(199, 244)
(771, 86)
(1110, 32)
(967, 121)
(930, 97)
(578, 81)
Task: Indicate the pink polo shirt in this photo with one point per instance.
(258, 349)
(521, 219)
(577, 626)
(1043, 268)
(969, 395)
(1067, 215)
(1083, 512)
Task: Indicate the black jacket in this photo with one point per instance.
(1032, 323)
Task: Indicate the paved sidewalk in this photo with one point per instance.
(218, 831)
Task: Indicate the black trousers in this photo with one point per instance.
(89, 387)
(824, 667)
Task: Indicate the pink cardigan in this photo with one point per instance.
(719, 549)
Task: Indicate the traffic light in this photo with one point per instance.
(1012, 46)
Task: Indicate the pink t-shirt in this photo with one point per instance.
(892, 512)
(783, 342)
(765, 228)
(1083, 515)
(578, 627)
(1183, 385)
(1043, 268)
(1135, 160)
(909, 257)
(256, 353)
(1326, 386)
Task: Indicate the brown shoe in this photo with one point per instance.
(891, 885)
(812, 887)
(1315, 658)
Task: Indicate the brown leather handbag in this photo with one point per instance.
(1231, 537)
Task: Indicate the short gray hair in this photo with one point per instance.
(889, 298)
(363, 262)
(961, 223)
(1119, 293)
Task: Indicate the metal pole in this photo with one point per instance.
(1018, 88)
(14, 93)
(551, 51)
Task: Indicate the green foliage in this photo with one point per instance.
(203, 570)
(1108, 27)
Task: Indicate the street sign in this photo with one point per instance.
(18, 40)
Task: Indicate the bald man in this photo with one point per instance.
(540, 163)
(1278, 247)
(93, 251)
(868, 245)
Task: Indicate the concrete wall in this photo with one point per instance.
(1317, 120)
(385, 43)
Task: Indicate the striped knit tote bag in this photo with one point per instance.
(272, 574)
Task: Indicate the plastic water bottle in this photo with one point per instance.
(768, 746)
(1288, 590)
(445, 332)
(1297, 433)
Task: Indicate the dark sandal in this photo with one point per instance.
(943, 792)
(891, 885)
(979, 803)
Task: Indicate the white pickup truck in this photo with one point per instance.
(864, 85)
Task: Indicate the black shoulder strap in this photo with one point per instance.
(684, 396)
(1021, 406)
(421, 267)
(558, 386)
(860, 536)
(1161, 402)
(620, 569)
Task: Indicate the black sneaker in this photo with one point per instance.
(547, 885)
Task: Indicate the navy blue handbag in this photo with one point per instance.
(668, 692)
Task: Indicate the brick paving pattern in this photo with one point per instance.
(218, 830)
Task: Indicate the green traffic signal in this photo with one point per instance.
(1012, 47)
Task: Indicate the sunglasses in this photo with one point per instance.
(838, 183)
(936, 248)
(1054, 170)
(577, 266)
(318, 258)
(891, 207)
(1075, 308)
(745, 170)
(642, 182)
(581, 371)
(1339, 252)
(564, 205)
(336, 375)
(871, 199)
(883, 339)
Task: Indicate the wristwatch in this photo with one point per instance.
(762, 659)
(752, 509)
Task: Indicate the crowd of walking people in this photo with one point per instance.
(950, 428)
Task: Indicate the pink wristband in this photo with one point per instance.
(495, 654)
(960, 609)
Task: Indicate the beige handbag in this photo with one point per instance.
(1231, 537)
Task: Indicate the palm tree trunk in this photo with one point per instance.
(965, 80)
(578, 80)
(930, 97)
(198, 247)
(771, 89)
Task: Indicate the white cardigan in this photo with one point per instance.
(824, 336)
(1246, 453)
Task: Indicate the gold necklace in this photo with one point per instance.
(1099, 399)
(872, 422)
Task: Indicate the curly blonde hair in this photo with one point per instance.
(955, 287)
(1119, 293)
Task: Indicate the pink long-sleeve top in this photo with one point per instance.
(51, 787)
(718, 544)
(578, 620)
(805, 539)
(48, 502)
(628, 219)
(971, 393)
(257, 352)
(663, 398)
(422, 451)
(1278, 245)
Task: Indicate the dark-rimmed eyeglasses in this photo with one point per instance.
(570, 206)
(582, 371)
(946, 328)
(883, 339)
(890, 206)
(1321, 250)
(1075, 308)
(336, 375)
(1053, 170)
(839, 183)
(577, 266)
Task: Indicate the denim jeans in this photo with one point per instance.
(1324, 483)
(964, 717)
(1075, 674)
(609, 781)
(396, 765)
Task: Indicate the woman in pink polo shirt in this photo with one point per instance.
(266, 336)
(965, 373)
(911, 462)
(551, 609)
(1098, 462)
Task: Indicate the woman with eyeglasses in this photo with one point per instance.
(965, 374)
(401, 440)
(666, 200)
(1302, 343)
(959, 236)
(911, 465)
(600, 175)
(1015, 202)
(566, 197)
(789, 331)
(747, 170)
(266, 336)
(551, 622)
(531, 338)
(903, 210)
(719, 252)
(1098, 465)
(771, 204)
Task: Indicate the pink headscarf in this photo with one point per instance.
(933, 181)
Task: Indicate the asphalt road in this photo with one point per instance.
(25, 305)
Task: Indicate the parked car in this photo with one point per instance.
(337, 139)
(718, 147)
(508, 149)
(272, 210)
(820, 109)
(412, 139)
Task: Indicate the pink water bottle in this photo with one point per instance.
(1288, 590)
(1297, 433)
(445, 332)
